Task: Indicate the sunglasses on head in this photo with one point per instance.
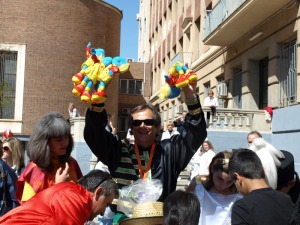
(5, 148)
(147, 122)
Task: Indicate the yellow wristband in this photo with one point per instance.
(195, 111)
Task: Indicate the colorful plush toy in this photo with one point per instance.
(179, 77)
(97, 71)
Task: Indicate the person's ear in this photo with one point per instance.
(98, 193)
(291, 183)
(238, 178)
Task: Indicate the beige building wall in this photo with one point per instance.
(178, 27)
(53, 36)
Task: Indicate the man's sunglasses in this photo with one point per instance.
(147, 122)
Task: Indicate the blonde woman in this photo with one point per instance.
(211, 102)
(13, 154)
(202, 159)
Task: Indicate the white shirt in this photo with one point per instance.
(211, 102)
(74, 113)
(167, 135)
(129, 136)
(215, 208)
(201, 163)
(101, 166)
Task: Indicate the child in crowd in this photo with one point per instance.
(181, 207)
(216, 194)
(49, 149)
(261, 204)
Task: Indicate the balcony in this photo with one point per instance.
(229, 20)
(236, 120)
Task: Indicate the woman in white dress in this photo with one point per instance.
(216, 194)
(201, 160)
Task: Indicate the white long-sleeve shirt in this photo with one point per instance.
(73, 113)
(168, 135)
(208, 102)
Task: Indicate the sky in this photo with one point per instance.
(129, 27)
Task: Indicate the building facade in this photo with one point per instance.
(246, 51)
(42, 45)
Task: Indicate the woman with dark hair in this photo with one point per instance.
(217, 193)
(49, 150)
(181, 207)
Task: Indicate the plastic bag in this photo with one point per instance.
(139, 192)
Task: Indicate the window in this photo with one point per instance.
(263, 82)
(8, 68)
(206, 89)
(123, 124)
(12, 67)
(173, 110)
(288, 74)
(237, 87)
(133, 87)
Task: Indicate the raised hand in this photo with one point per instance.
(62, 174)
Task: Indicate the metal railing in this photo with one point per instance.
(221, 11)
(288, 74)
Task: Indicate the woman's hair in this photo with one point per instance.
(17, 150)
(270, 159)
(181, 207)
(51, 125)
(219, 162)
(209, 145)
(210, 92)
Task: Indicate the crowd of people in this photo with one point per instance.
(257, 185)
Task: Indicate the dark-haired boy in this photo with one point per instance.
(261, 204)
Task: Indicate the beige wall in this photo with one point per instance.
(213, 62)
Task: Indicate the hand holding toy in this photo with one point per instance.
(179, 76)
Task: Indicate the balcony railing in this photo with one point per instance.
(238, 120)
(222, 10)
(229, 20)
(227, 120)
